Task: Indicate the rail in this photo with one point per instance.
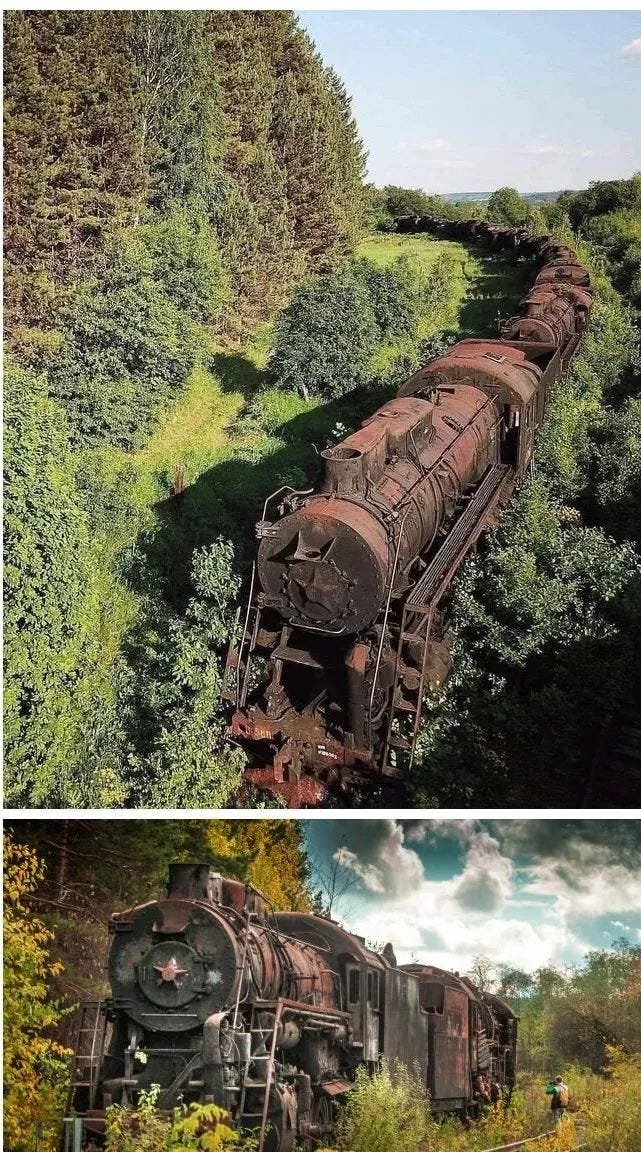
(532, 1140)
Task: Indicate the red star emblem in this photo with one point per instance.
(170, 971)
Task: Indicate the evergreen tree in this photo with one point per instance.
(70, 146)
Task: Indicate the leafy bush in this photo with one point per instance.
(36, 1070)
(576, 411)
(506, 206)
(610, 1104)
(386, 1111)
(545, 626)
(172, 709)
(126, 350)
(51, 614)
(617, 464)
(201, 1127)
(394, 295)
(325, 338)
(181, 253)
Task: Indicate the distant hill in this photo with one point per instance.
(481, 197)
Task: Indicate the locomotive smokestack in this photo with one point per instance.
(194, 882)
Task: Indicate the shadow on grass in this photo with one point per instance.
(238, 374)
(228, 498)
(495, 293)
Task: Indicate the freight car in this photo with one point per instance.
(217, 999)
(346, 623)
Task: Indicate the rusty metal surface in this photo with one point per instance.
(487, 364)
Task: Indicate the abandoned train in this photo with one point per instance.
(346, 622)
(217, 999)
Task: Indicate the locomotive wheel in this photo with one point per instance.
(321, 1121)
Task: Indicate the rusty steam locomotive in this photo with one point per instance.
(217, 999)
(346, 622)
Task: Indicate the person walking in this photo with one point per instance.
(560, 1098)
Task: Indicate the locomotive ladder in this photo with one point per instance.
(409, 681)
(92, 1024)
(314, 1018)
(267, 1058)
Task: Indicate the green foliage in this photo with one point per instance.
(197, 1127)
(545, 629)
(35, 1066)
(69, 148)
(181, 252)
(411, 202)
(325, 338)
(126, 349)
(573, 1015)
(51, 610)
(613, 1105)
(384, 1111)
(608, 214)
(618, 471)
(341, 331)
(507, 206)
(602, 197)
(395, 296)
(173, 711)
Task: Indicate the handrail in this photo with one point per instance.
(384, 625)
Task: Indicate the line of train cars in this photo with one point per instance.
(346, 624)
(217, 999)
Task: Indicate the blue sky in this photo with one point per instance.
(522, 892)
(469, 101)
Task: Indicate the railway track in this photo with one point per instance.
(530, 1141)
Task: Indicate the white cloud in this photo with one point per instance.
(428, 926)
(588, 884)
(529, 914)
(486, 882)
(368, 873)
(632, 49)
(434, 145)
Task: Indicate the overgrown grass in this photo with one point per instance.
(390, 1112)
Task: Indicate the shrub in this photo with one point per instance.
(172, 710)
(180, 252)
(36, 1070)
(386, 1111)
(126, 349)
(394, 295)
(325, 338)
(506, 206)
(50, 592)
(617, 465)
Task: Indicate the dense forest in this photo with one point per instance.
(201, 293)
(63, 879)
(169, 178)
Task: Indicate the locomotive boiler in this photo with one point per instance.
(217, 999)
(346, 623)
